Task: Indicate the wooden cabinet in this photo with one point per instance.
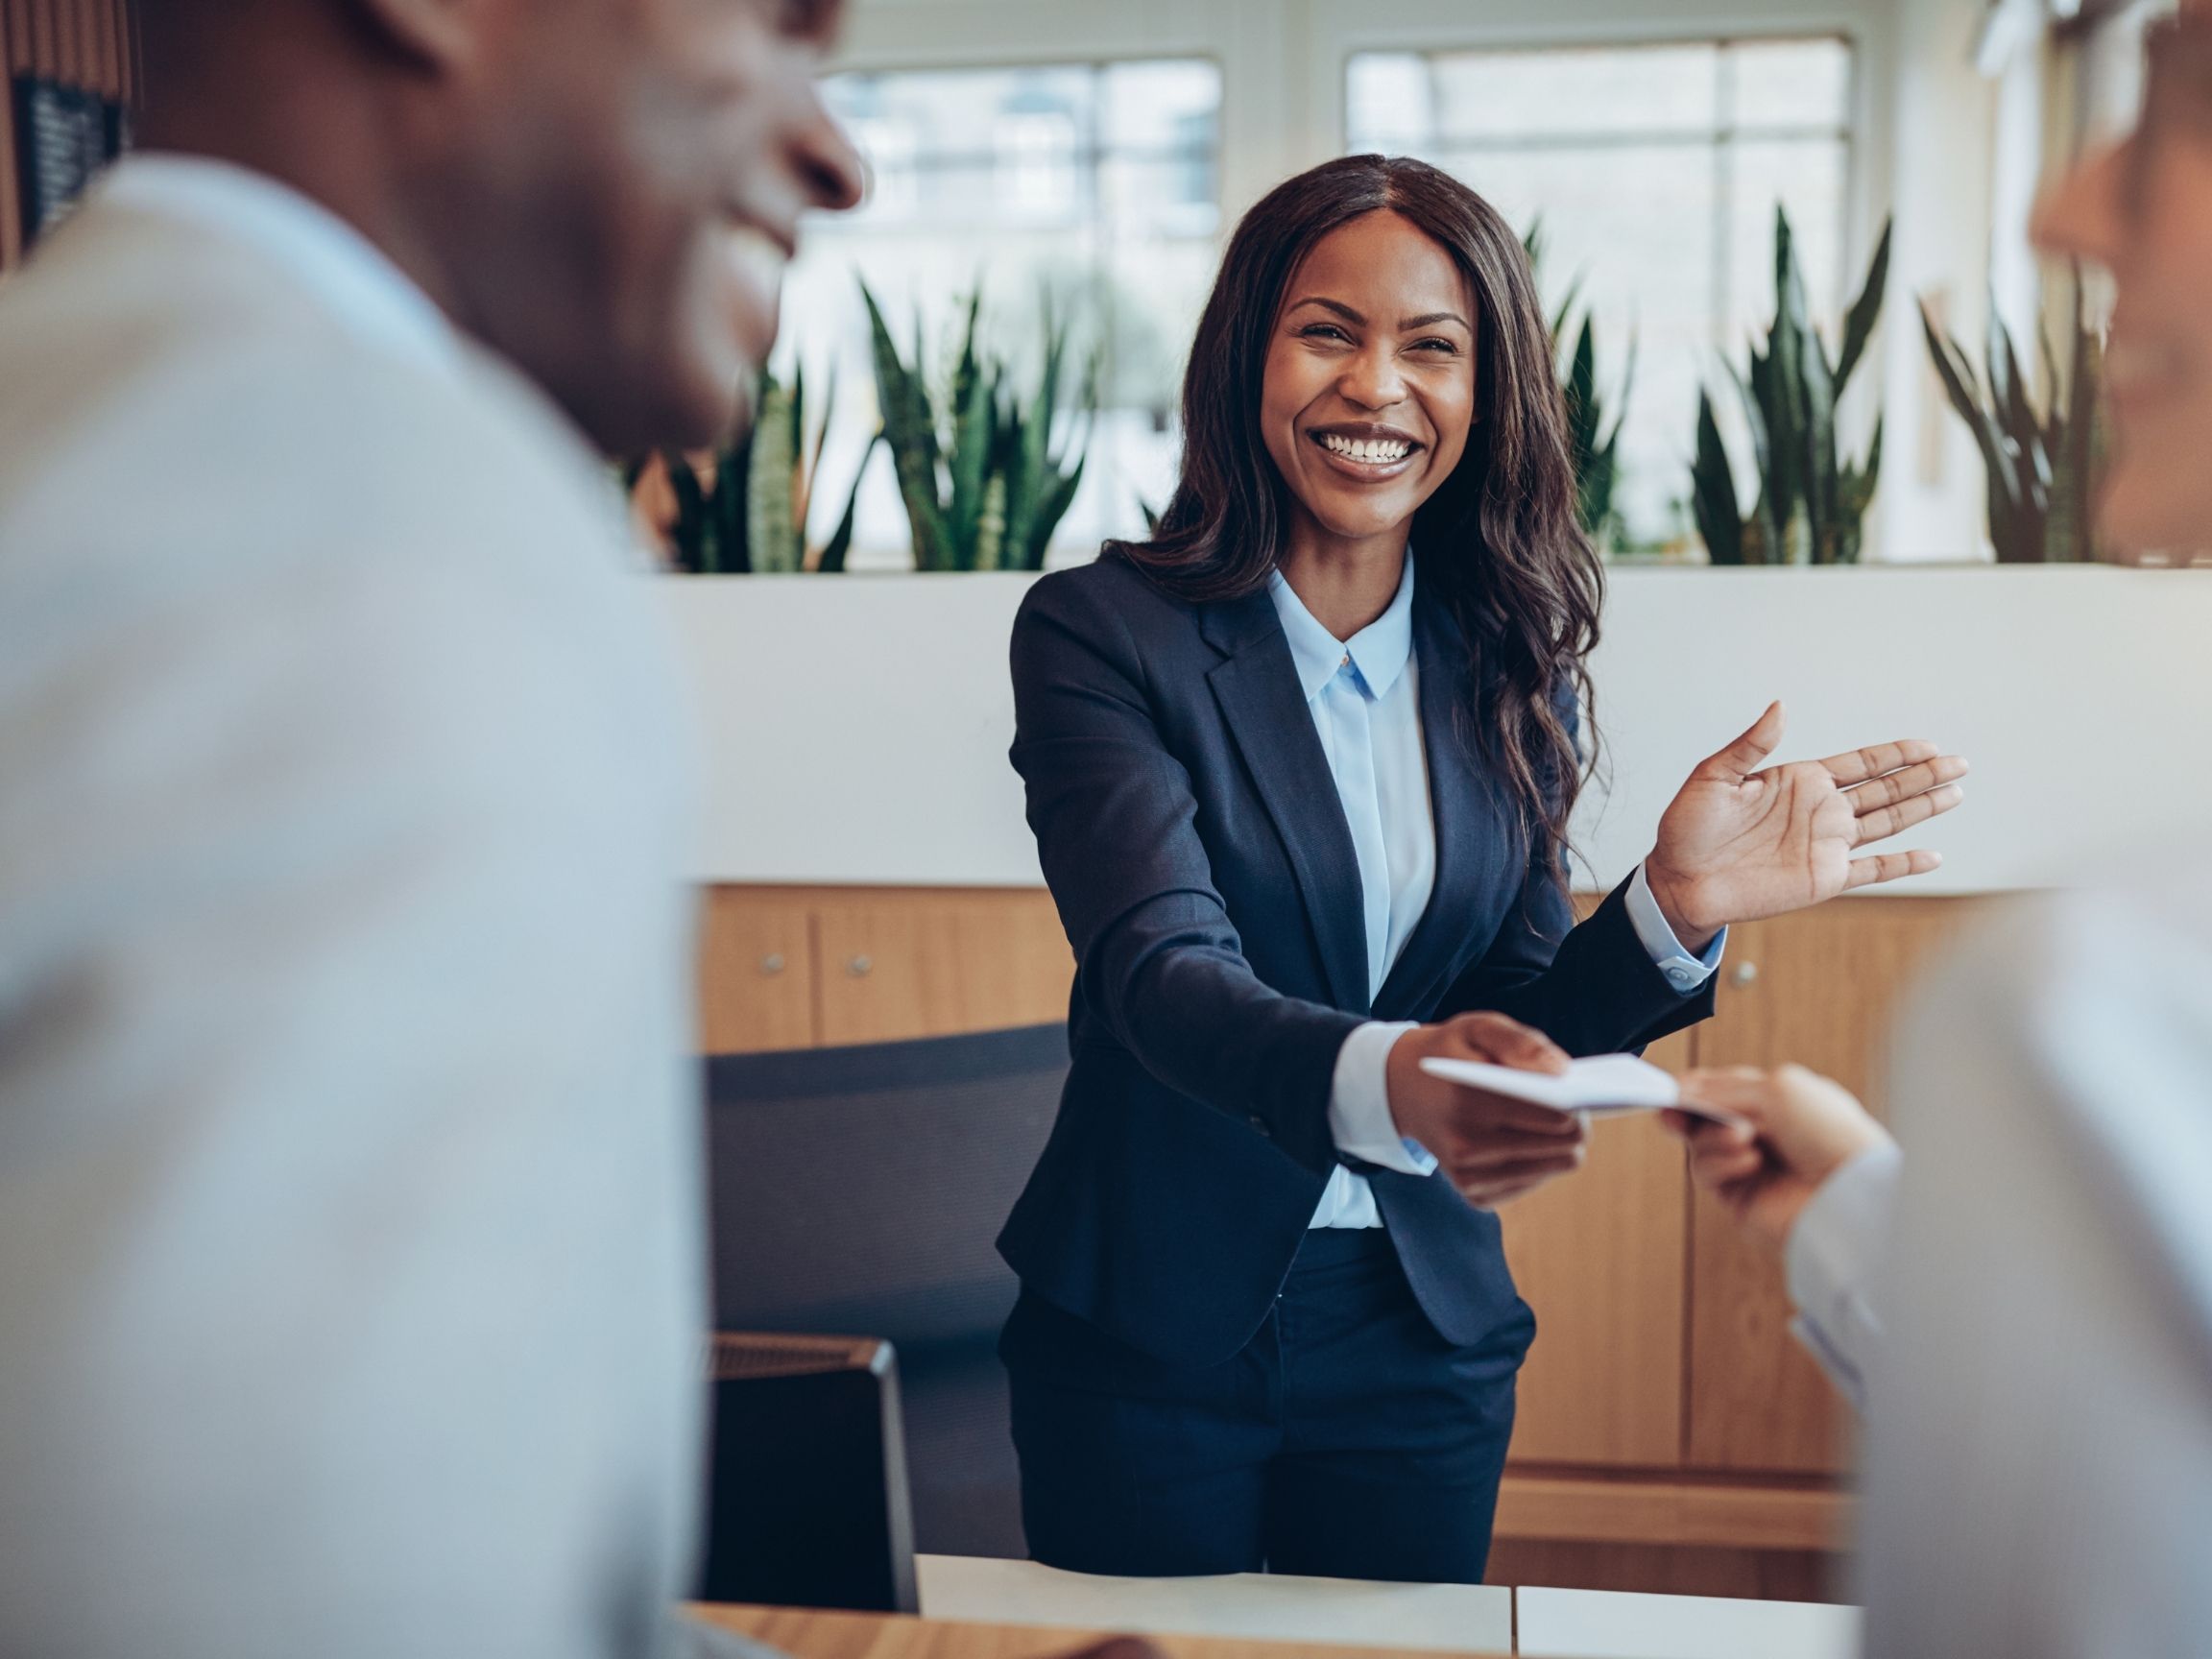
(928, 964)
(1818, 989)
(1599, 1259)
(807, 967)
(1671, 1434)
(757, 973)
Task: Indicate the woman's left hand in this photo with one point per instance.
(1739, 842)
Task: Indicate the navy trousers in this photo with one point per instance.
(1346, 1440)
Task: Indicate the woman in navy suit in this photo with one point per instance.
(1300, 769)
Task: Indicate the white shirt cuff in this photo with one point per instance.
(1833, 1254)
(1684, 971)
(1359, 1119)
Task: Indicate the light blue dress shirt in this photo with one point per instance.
(1364, 694)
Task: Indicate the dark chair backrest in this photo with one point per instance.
(806, 1490)
(859, 1191)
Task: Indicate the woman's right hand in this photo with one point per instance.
(1493, 1148)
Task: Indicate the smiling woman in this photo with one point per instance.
(1456, 358)
(1299, 770)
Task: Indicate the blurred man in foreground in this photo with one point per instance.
(350, 1235)
(2038, 1361)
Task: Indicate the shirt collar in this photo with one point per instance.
(353, 278)
(1378, 654)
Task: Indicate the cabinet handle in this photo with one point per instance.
(1744, 974)
(772, 964)
(860, 967)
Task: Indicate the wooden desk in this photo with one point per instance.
(811, 1635)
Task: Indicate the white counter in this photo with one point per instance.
(856, 726)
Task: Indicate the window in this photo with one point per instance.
(1096, 183)
(1654, 172)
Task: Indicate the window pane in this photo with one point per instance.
(1170, 105)
(1632, 231)
(1096, 184)
(1517, 96)
(1791, 83)
(1178, 198)
(1805, 177)
(1387, 105)
(1654, 172)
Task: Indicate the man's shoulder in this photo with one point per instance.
(2033, 949)
(188, 372)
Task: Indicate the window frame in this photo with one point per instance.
(1723, 139)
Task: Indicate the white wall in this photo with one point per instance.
(1926, 124)
(857, 728)
(1942, 120)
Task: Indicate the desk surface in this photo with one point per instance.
(1016, 1610)
(1247, 1606)
(1615, 1625)
(813, 1635)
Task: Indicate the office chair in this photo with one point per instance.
(856, 1191)
(807, 1482)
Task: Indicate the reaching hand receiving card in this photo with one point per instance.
(1603, 1085)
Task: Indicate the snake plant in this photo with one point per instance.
(745, 508)
(983, 481)
(2040, 465)
(1811, 502)
(1594, 442)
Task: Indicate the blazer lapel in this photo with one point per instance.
(1260, 698)
(1473, 832)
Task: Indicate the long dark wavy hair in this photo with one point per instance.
(1499, 542)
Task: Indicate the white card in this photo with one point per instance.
(1603, 1085)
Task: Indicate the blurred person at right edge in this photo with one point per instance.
(2033, 1357)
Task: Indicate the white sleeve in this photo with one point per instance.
(2039, 1478)
(1684, 971)
(1359, 1119)
(348, 1194)
(1833, 1252)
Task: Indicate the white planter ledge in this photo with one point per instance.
(855, 727)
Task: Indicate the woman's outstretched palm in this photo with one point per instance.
(1739, 842)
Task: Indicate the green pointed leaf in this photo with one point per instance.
(968, 463)
(1866, 310)
(910, 430)
(1057, 497)
(990, 526)
(1026, 471)
(1583, 413)
(769, 481)
(840, 542)
(1824, 502)
(2015, 529)
(1713, 490)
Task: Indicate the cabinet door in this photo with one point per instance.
(1818, 989)
(921, 963)
(1599, 1256)
(755, 971)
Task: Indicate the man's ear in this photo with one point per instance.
(446, 35)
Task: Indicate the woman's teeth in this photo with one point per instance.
(1379, 451)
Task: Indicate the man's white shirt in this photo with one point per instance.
(2024, 1304)
(350, 1293)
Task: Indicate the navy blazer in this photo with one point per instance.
(1197, 850)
